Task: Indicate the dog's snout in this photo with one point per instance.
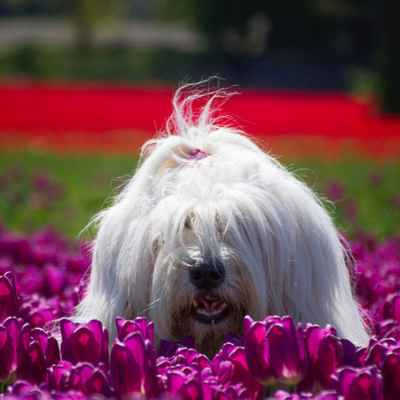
(207, 275)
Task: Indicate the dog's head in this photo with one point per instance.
(209, 229)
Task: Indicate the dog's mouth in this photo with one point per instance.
(209, 310)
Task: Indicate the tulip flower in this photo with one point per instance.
(391, 374)
(58, 376)
(181, 383)
(55, 280)
(232, 392)
(233, 358)
(168, 349)
(18, 248)
(89, 380)
(84, 342)
(274, 350)
(335, 190)
(256, 351)
(326, 354)
(190, 357)
(22, 389)
(359, 383)
(389, 330)
(352, 355)
(8, 297)
(43, 352)
(14, 341)
(133, 366)
(324, 395)
(139, 324)
(377, 350)
(39, 312)
(212, 389)
(391, 308)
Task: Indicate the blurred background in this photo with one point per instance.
(309, 44)
(84, 82)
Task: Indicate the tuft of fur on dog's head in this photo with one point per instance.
(210, 229)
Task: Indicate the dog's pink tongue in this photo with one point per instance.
(211, 305)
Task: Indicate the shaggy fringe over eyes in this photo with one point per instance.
(280, 249)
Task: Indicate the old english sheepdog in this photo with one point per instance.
(209, 229)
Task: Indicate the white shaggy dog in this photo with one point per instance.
(209, 229)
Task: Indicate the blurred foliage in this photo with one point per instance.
(112, 64)
(67, 191)
(309, 37)
(365, 81)
(39, 190)
(216, 16)
(390, 66)
(368, 198)
(173, 10)
(87, 15)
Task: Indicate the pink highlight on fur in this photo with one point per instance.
(198, 154)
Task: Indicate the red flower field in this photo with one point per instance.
(99, 118)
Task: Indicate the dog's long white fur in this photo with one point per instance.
(280, 249)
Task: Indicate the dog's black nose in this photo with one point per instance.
(207, 275)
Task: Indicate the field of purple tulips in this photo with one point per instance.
(274, 359)
(45, 355)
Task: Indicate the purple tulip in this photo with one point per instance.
(234, 339)
(230, 367)
(391, 374)
(22, 389)
(274, 350)
(326, 354)
(133, 366)
(168, 349)
(43, 352)
(8, 297)
(190, 357)
(324, 395)
(351, 210)
(49, 345)
(58, 376)
(377, 350)
(183, 357)
(232, 392)
(84, 342)
(17, 248)
(39, 312)
(212, 389)
(139, 324)
(55, 280)
(352, 355)
(335, 190)
(359, 383)
(181, 383)
(391, 308)
(255, 347)
(86, 378)
(14, 341)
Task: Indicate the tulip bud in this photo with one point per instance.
(13, 350)
(84, 343)
(235, 356)
(391, 375)
(8, 297)
(275, 351)
(326, 354)
(133, 366)
(139, 324)
(90, 380)
(359, 383)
